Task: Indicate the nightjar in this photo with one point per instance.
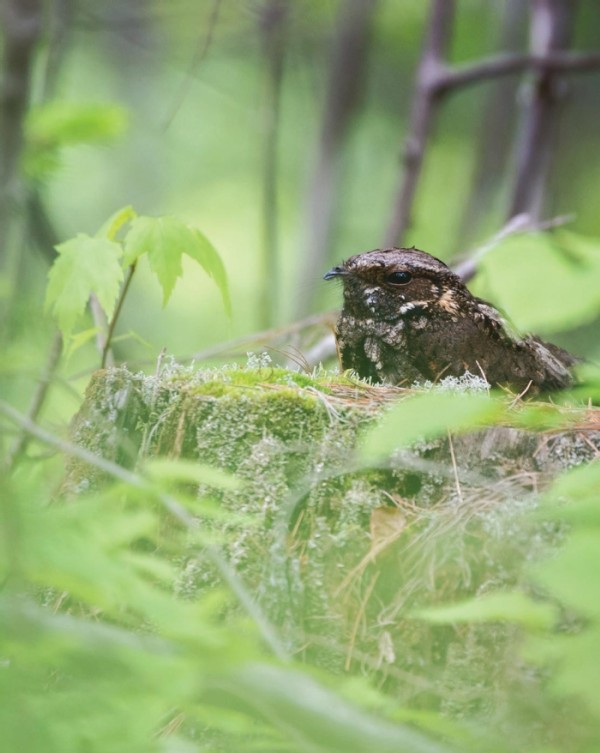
(407, 317)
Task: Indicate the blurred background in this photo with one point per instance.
(280, 129)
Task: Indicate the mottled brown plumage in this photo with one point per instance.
(407, 317)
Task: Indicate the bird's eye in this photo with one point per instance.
(398, 278)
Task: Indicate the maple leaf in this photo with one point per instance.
(84, 265)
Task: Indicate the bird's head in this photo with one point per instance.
(391, 282)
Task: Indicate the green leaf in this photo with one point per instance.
(572, 574)
(115, 222)
(580, 484)
(316, 718)
(428, 415)
(546, 283)
(206, 255)
(165, 240)
(575, 661)
(75, 122)
(57, 124)
(511, 606)
(84, 265)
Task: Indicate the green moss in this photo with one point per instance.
(337, 582)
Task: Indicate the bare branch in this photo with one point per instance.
(37, 401)
(520, 223)
(551, 31)
(456, 77)
(422, 115)
(495, 131)
(435, 79)
(202, 48)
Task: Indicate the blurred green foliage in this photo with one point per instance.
(96, 651)
(565, 643)
(548, 282)
(53, 126)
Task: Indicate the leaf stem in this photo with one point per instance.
(115, 316)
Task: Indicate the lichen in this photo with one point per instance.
(341, 590)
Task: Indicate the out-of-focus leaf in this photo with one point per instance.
(84, 265)
(493, 607)
(314, 717)
(581, 483)
(207, 256)
(572, 574)
(115, 222)
(528, 274)
(543, 417)
(56, 124)
(428, 415)
(575, 663)
(165, 240)
(79, 339)
(165, 470)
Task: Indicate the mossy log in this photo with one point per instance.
(339, 556)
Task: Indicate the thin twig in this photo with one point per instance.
(422, 115)
(37, 401)
(552, 24)
(101, 326)
(455, 469)
(521, 394)
(115, 317)
(495, 130)
(202, 48)
(520, 223)
(497, 66)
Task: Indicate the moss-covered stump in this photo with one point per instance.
(338, 556)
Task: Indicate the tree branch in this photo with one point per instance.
(455, 77)
(37, 401)
(496, 129)
(520, 223)
(551, 31)
(422, 115)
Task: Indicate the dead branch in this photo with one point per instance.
(551, 31)
(423, 111)
(39, 398)
(508, 65)
(520, 223)
(495, 131)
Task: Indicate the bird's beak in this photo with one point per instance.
(335, 272)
